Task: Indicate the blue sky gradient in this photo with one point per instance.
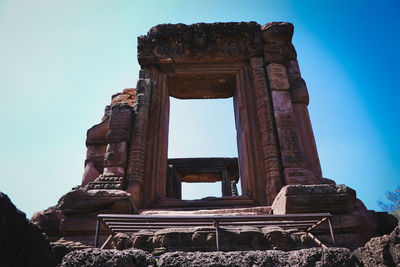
(60, 62)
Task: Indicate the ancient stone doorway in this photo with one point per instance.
(256, 66)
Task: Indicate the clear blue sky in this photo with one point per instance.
(60, 62)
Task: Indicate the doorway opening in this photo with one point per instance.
(202, 132)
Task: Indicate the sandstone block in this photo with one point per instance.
(94, 151)
(277, 38)
(117, 135)
(298, 91)
(299, 176)
(85, 201)
(335, 199)
(277, 77)
(116, 155)
(293, 68)
(114, 171)
(90, 173)
(97, 134)
(143, 239)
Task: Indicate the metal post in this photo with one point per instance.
(216, 224)
(106, 242)
(96, 237)
(331, 230)
(316, 240)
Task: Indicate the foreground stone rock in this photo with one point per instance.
(304, 257)
(108, 258)
(21, 243)
(60, 250)
(49, 221)
(381, 251)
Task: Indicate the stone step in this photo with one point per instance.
(204, 203)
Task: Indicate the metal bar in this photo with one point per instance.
(132, 223)
(331, 230)
(136, 229)
(106, 242)
(172, 224)
(115, 223)
(302, 226)
(96, 237)
(216, 223)
(316, 240)
(316, 225)
(205, 218)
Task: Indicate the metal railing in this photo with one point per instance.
(126, 223)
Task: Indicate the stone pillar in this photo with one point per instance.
(277, 50)
(234, 190)
(226, 184)
(300, 99)
(173, 185)
(136, 157)
(115, 158)
(265, 118)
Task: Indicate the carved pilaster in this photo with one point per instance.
(293, 160)
(136, 157)
(300, 99)
(278, 48)
(270, 147)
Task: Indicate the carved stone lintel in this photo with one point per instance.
(201, 42)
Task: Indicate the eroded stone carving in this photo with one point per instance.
(168, 43)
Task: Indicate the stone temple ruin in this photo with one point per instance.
(127, 169)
